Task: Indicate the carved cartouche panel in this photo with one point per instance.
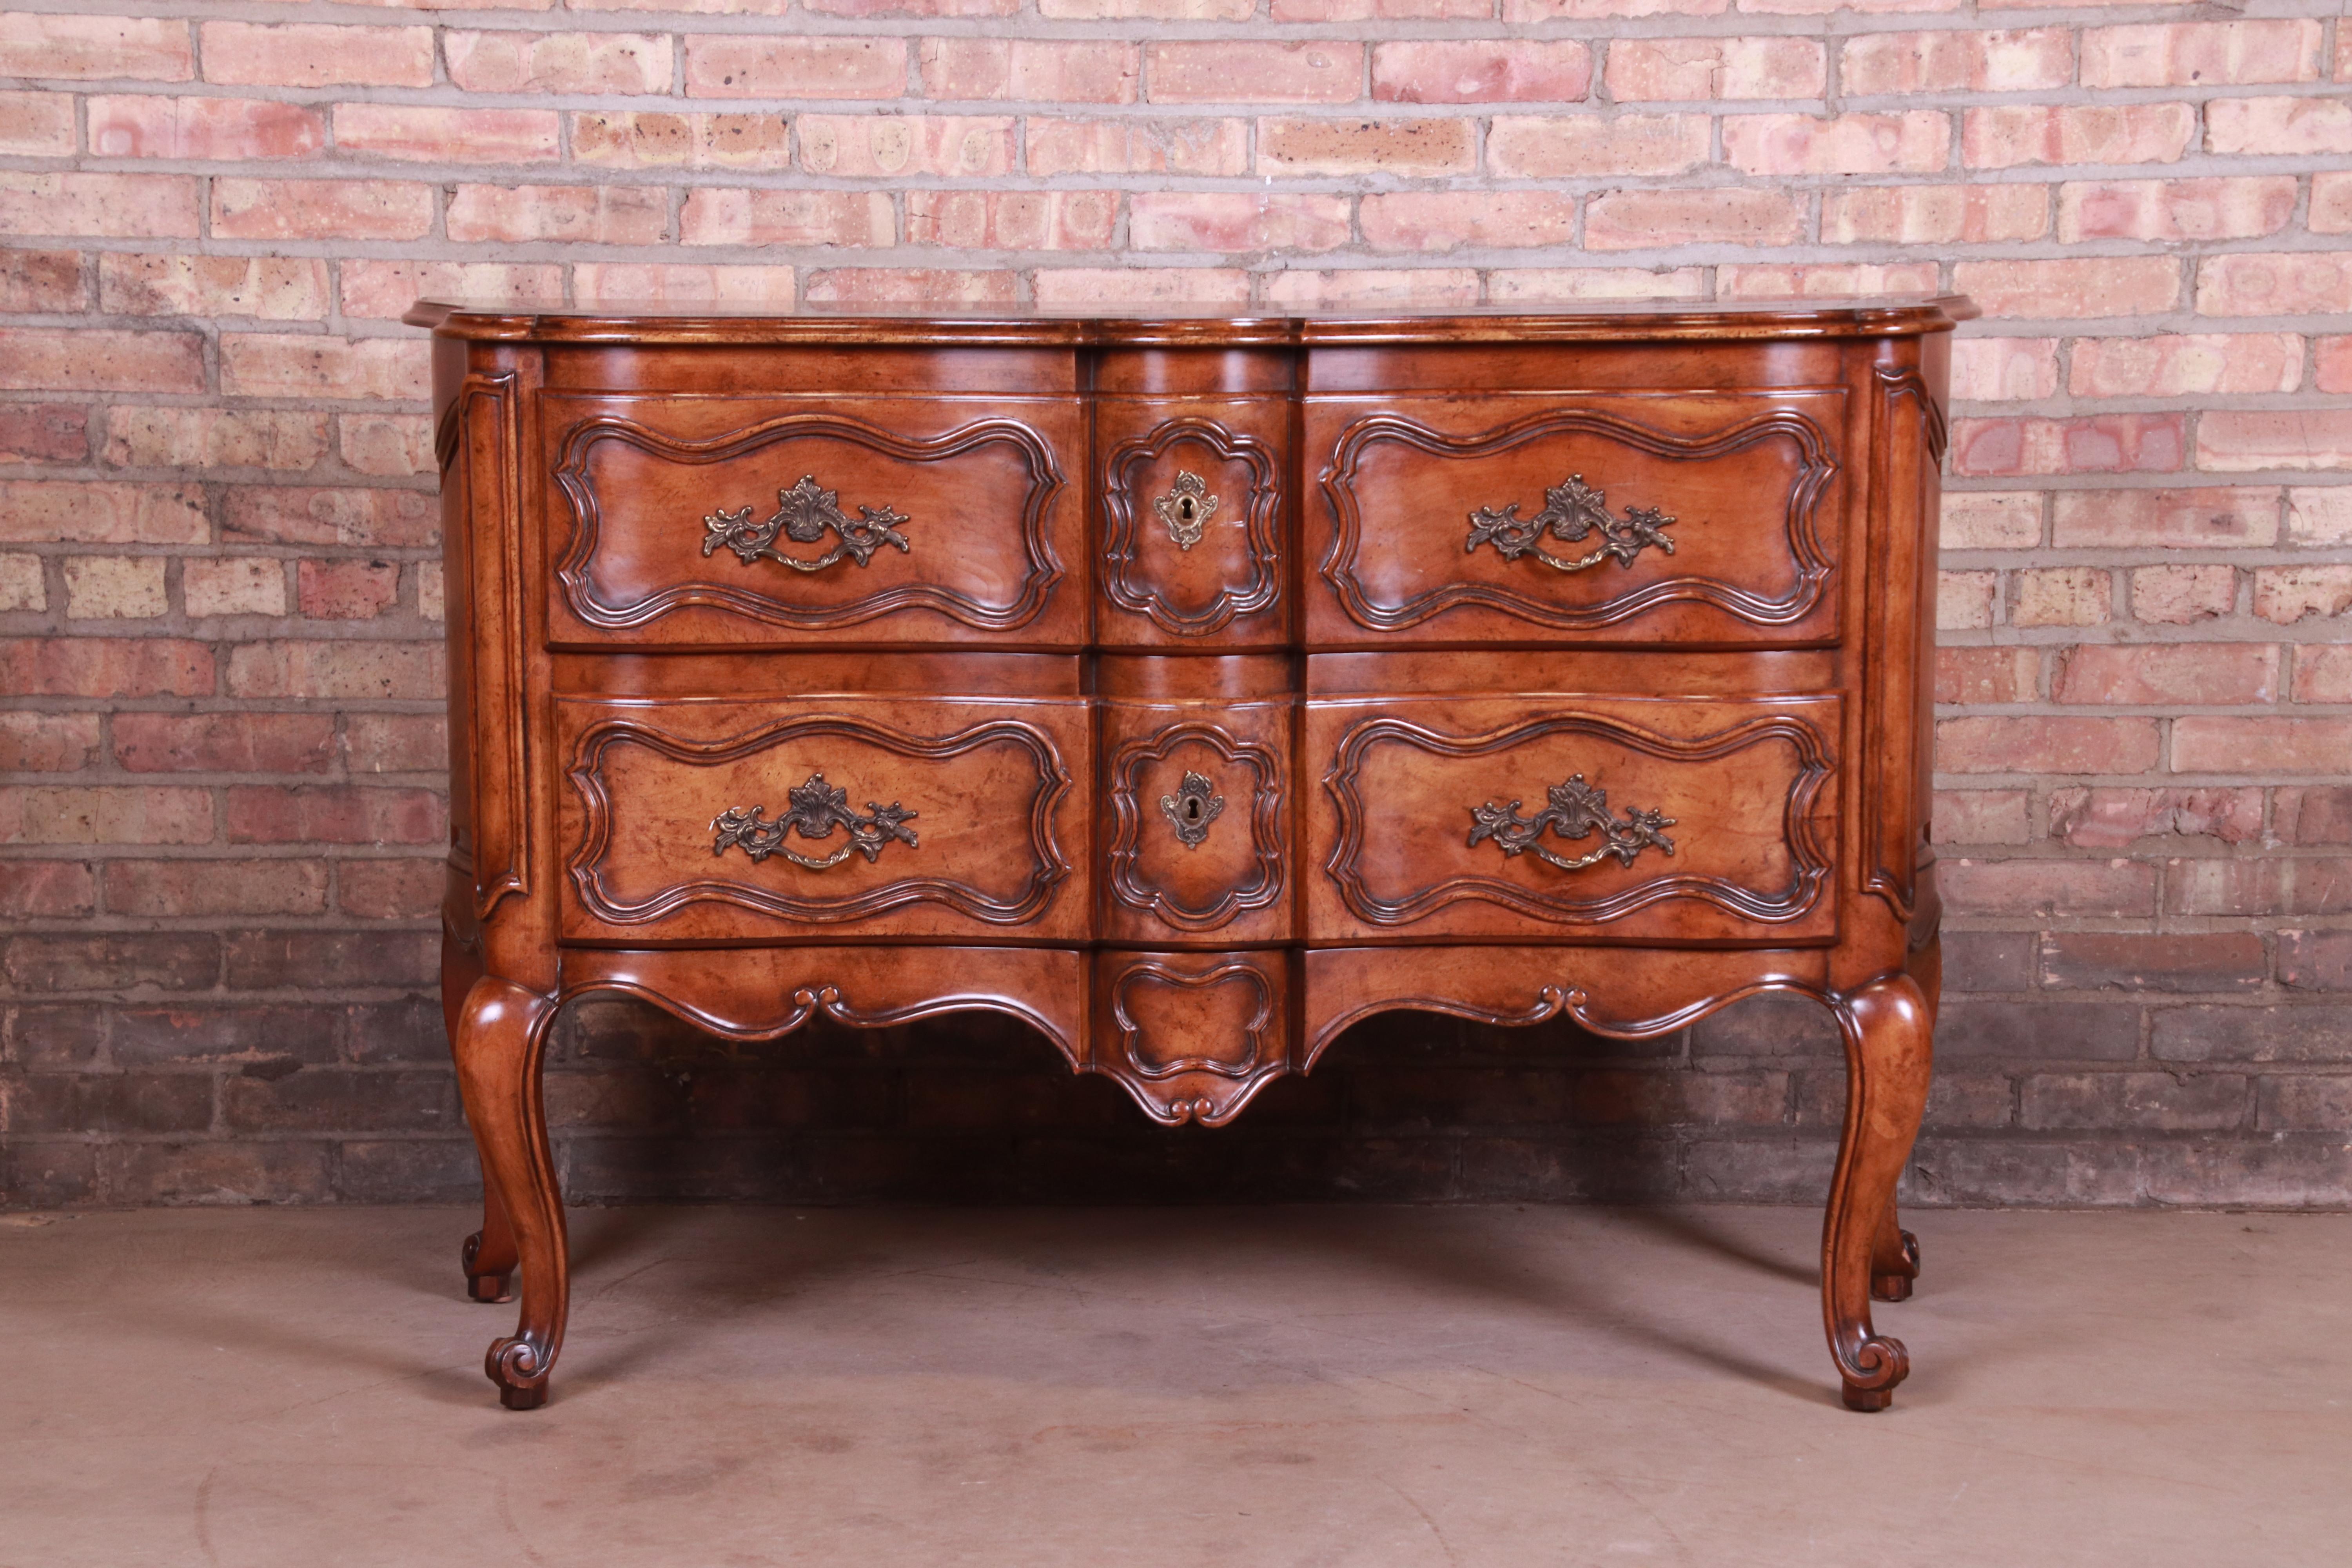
(668, 839)
(1191, 515)
(1698, 516)
(803, 524)
(1196, 841)
(1424, 795)
(1193, 1037)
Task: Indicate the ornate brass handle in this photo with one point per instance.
(1574, 512)
(1577, 811)
(1186, 509)
(1192, 808)
(816, 809)
(805, 514)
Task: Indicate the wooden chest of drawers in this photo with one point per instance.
(1191, 688)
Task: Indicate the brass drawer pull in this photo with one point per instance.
(805, 514)
(1577, 809)
(817, 808)
(1186, 509)
(1192, 808)
(1574, 512)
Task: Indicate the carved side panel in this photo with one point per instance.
(481, 441)
(1908, 434)
(847, 817)
(1197, 803)
(1193, 546)
(1686, 517)
(1191, 1036)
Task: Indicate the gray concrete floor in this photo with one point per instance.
(1325, 1387)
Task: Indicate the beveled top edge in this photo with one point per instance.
(714, 323)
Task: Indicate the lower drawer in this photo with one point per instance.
(1626, 818)
(859, 815)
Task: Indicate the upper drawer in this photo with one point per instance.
(697, 520)
(1625, 517)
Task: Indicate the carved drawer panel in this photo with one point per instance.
(1709, 516)
(1197, 814)
(704, 520)
(851, 816)
(1191, 1036)
(1685, 819)
(1193, 547)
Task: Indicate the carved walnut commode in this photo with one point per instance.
(1191, 688)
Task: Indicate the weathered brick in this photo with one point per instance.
(110, 1102)
(1691, 68)
(2041, 890)
(44, 433)
(2155, 1100)
(2241, 441)
(1435, 222)
(2184, 674)
(581, 214)
(2285, 594)
(2251, 1034)
(46, 889)
(2182, 596)
(2319, 516)
(911, 286)
(336, 1099)
(1834, 280)
(722, 217)
(115, 587)
(2038, 1031)
(32, 279)
(2272, 126)
(1916, 142)
(388, 890)
(207, 1172)
(1476, 71)
(101, 512)
(2117, 819)
(224, 742)
(1057, 146)
(2247, 283)
(384, 289)
(395, 444)
(46, 742)
(2323, 672)
(2290, 1102)
(1584, 147)
(59, 360)
(2202, 54)
(1048, 70)
(158, 888)
(290, 288)
(2072, 287)
(1998, 370)
(2237, 207)
(2007, 136)
(1300, 287)
(2064, 596)
(1990, 519)
(2090, 444)
(820, 67)
(1979, 675)
(2208, 519)
(268, 364)
(236, 585)
(1244, 72)
(105, 666)
(870, 146)
(341, 671)
(22, 585)
(1643, 220)
(1406, 148)
(2042, 745)
(322, 209)
(1967, 601)
(1935, 214)
(2018, 60)
(2315, 960)
(36, 124)
(1549, 285)
(416, 134)
(2206, 962)
(96, 49)
(213, 438)
(593, 282)
(118, 961)
(1982, 817)
(229, 130)
(269, 960)
(326, 814)
(2265, 745)
(304, 54)
(2259, 887)
(1067, 220)
(560, 62)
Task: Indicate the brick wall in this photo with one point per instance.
(219, 602)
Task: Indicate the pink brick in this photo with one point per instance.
(43, 433)
(720, 215)
(1019, 220)
(2319, 515)
(1480, 71)
(1045, 70)
(41, 280)
(342, 672)
(2094, 444)
(96, 49)
(2004, 370)
(2200, 54)
(1158, 10)
(1935, 214)
(1917, 141)
(360, 518)
(1644, 69)
(1381, 10)
(112, 206)
(1301, 288)
(1587, 145)
(1521, 13)
(582, 214)
(2331, 200)
(1547, 285)
(2009, 134)
(1142, 146)
(267, 364)
(2064, 596)
(329, 814)
(2113, 818)
(1081, 285)
(2242, 207)
(290, 288)
(739, 65)
(2042, 745)
(36, 124)
(557, 62)
(2323, 674)
(34, 890)
(633, 139)
(660, 283)
(1434, 222)
(322, 209)
(2112, 519)
(447, 135)
(105, 666)
(46, 742)
(865, 7)
(347, 590)
(2253, 284)
(1644, 220)
(83, 815)
(2260, 745)
(1835, 281)
(2332, 365)
(2182, 596)
(2185, 674)
(1824, 7)
(1242, 72)
(2237, 441)
(2021, 60)
(1407, 148)
(228, 129)
(2041, 890)
(2285, 594)
(1991, 520)
(2272, 126)
(2182, 365)
(382, 289)
(1235, 220)
(1979, 675)
(2072, 287)
(311, 54)
(940, 287)
(1966, 601)
(225, 742)
(53, 359)
(892, 146)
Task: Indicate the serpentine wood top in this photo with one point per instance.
(716, 322)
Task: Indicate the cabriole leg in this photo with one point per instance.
(487, 1256)
(1894, 1259)
(1889, 1030)
(501, 1033)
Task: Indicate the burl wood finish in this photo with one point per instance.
(1191, 688)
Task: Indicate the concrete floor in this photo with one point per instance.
(1329, 1386)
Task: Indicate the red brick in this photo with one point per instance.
(284, 289)
(2080, 890)
(343, 670)
(2180, 674)
(105, 666)
(1157, 146)
(46, 889)
(2007, 135)
(384, 289)
(2096, 444)
(1926, 214)
(281, 439)
(2332, 365)
(2273, 126)
(347, 590)
(2184, 365)
(1476, 71)
(305, 54)
(2260, 745)
(2266, 887)
(2021, 60)
(83, 813)
(324, 813)
(1584, 145)
(322, 209)
(396, 742)
(1998, 370)
(266, 364)
(582, 214)
(170, 961)
(2285, 594)
(417, 134)
(1076, 286)
(1240, 71)
(224, 742)
(2136, 961)
(2323, 672)
(715, 215)
(1407, 148)
(1642, 69)
(1647, 220)
(112, 206)
(1916, 142)
(2321, 813)
(2239, 207)
(557, 62)
(2253, 284)
(891, 146)
(2315, 960)
(77, 511)
(1020, 220)
(96, 49)
(362, 519)
(1991, 520)
(2200, 54)
(1979, 675)
(1236, 220)
(2182, 596)
(911, 286)
(2108, 519)
(164, 888)
(390, 889)
(2111, 818)
(738, 66)
(1434, 222)
(41, 280)
(46, 742)
(229, 129)
(2071, 287)
(1046, 70)
(2331, 201)
(2037, 744)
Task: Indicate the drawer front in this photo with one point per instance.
(696, 520)
(1192, 520)
(1192, 1036)
(1196, 821)
(1686, 517)
(1577, 818)
(706, 819)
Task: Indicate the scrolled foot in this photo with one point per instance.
(1870, 1372)
(1867, 1399)
(520, 1368)
(480, 1286)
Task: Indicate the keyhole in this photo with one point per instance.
(1185, 508)
(1192, 810)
